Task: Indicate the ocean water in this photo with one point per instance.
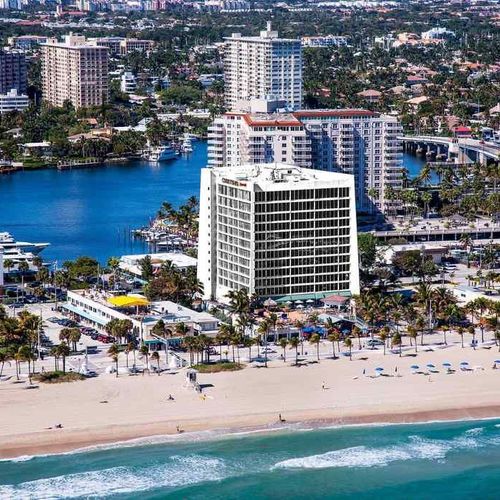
(451, 460)
(92, 211)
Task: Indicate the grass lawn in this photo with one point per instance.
(225, 366)
(58, 377)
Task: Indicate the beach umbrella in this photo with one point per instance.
(497, 361)
(270, 302)
(300, 306)
(310, 301)
(379, 369)
(414, 367)
(430, 365)
(446, 364)
(288, 302)
(299, 302)
(464, 363)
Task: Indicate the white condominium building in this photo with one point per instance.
(353, 141)
(240, 138)
(13, 101)
(74, 71)
(262, 67)
(278, 231)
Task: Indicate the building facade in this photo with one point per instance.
(324, 41)
(277, 231)
(13, 101)
(128, 83)
(353, 141)
(262, 67)
(74, 71)
(119, 46)
(13, 73)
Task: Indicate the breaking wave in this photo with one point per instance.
(180, 471)
(417, 448)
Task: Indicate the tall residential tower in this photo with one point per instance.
(262, 67)
(13, 73)
(74, 71)
(352, 141)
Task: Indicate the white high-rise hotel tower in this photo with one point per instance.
(262, 67)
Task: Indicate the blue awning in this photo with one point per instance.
(85, 314)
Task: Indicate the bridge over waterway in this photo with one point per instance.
(459, 150)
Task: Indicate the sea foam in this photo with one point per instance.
(417, 448)
(180, 471)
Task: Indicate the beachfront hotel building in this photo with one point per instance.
(278, 231)
(75, 71)
(262, 67)
(359, 142)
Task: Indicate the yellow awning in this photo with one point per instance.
(128, 301)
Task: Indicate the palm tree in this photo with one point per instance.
(226, 333)
(114, 265)
(263, 329)
(472, 331)
(426, 199)
(396, 341)
(482, 306)
(128, 349)
(5, 357)
(144, 350)
(74, 337)
(334, 336)
(283, 343)
(315, 339)
(444, 328)
(294, 344)
(468, 243)
(357, 333)
(460, 331)
(24, 353)
(348, 344)
(383, 337)
(235, 340)
(8, 264)
(55, 352)
(221, 338)
(248, 343)
(413, 333)
(63, 351)
(156, 356)
(113, 352)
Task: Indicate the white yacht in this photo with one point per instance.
(162, 153)
(186, 146)
(8, 242)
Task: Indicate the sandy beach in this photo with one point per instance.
(109, 409)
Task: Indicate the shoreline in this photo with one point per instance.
(86, 440)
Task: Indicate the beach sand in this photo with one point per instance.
(252, 398)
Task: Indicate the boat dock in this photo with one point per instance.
(68, 165)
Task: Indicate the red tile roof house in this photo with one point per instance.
(461, 131)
